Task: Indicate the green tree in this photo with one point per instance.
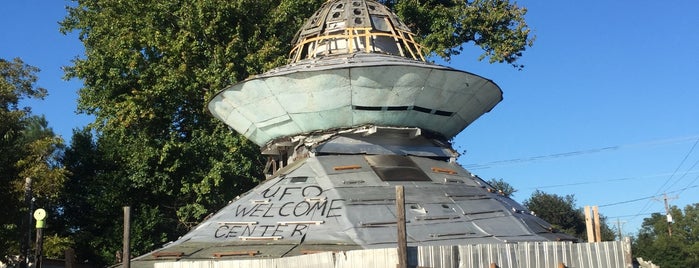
(654, 243)
(41, 160)
(151, 66)
(558, 210)
(444, 26)
(503, 187)
(561, 212)
(29, 149)
(90, 206)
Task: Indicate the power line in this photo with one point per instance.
(584, 182)
(692, 182)
(685, 174)
(628, 201)
(578, 152)
(646, 206)
(694, 138)
(633, 215)
(678, 168)
(644, 198)
(537, 158)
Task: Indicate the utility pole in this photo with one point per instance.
(667, 212)
(27, 244)
(126, 252)
(401, 228)
(618, 228)
(668, 215)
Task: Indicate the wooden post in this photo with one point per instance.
(70, 258)
(26, 245)
(402, 240)
(40, 217)
(126, 253)
(618, 228)
(588, 224)
(38, 255)
(598, 231)
(628, 257)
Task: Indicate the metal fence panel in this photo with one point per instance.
(510, 255)
(437, 256)
(369, 258)
(317, 260)
(544, 254)
(262, 263)
(482, 255)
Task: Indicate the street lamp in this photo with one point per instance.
(40, 216)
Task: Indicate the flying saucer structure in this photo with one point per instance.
(354, 63)
(356, 112)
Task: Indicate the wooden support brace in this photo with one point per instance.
(350, 167)
(236, 253)
(443, 170)
(165, 254)
(598, 231)
(307, 251)
(589, 225)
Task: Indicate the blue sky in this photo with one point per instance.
(605, 108)
(620, 75)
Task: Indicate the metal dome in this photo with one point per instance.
(354, 26)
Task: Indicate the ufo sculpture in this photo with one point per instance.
(354, 64)
(357, 112)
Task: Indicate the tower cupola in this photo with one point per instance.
(354, 26)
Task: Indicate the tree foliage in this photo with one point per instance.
(92, 200)
(503, 187)
(444, 26)
(29, 149)
(149, 69)
(561, 212)
(654, 243)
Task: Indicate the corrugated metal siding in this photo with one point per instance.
(369, 258)
(511, 255)
(438, 256)
(265, 263)
(545, 254)
(481, 255)
(319, 260)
